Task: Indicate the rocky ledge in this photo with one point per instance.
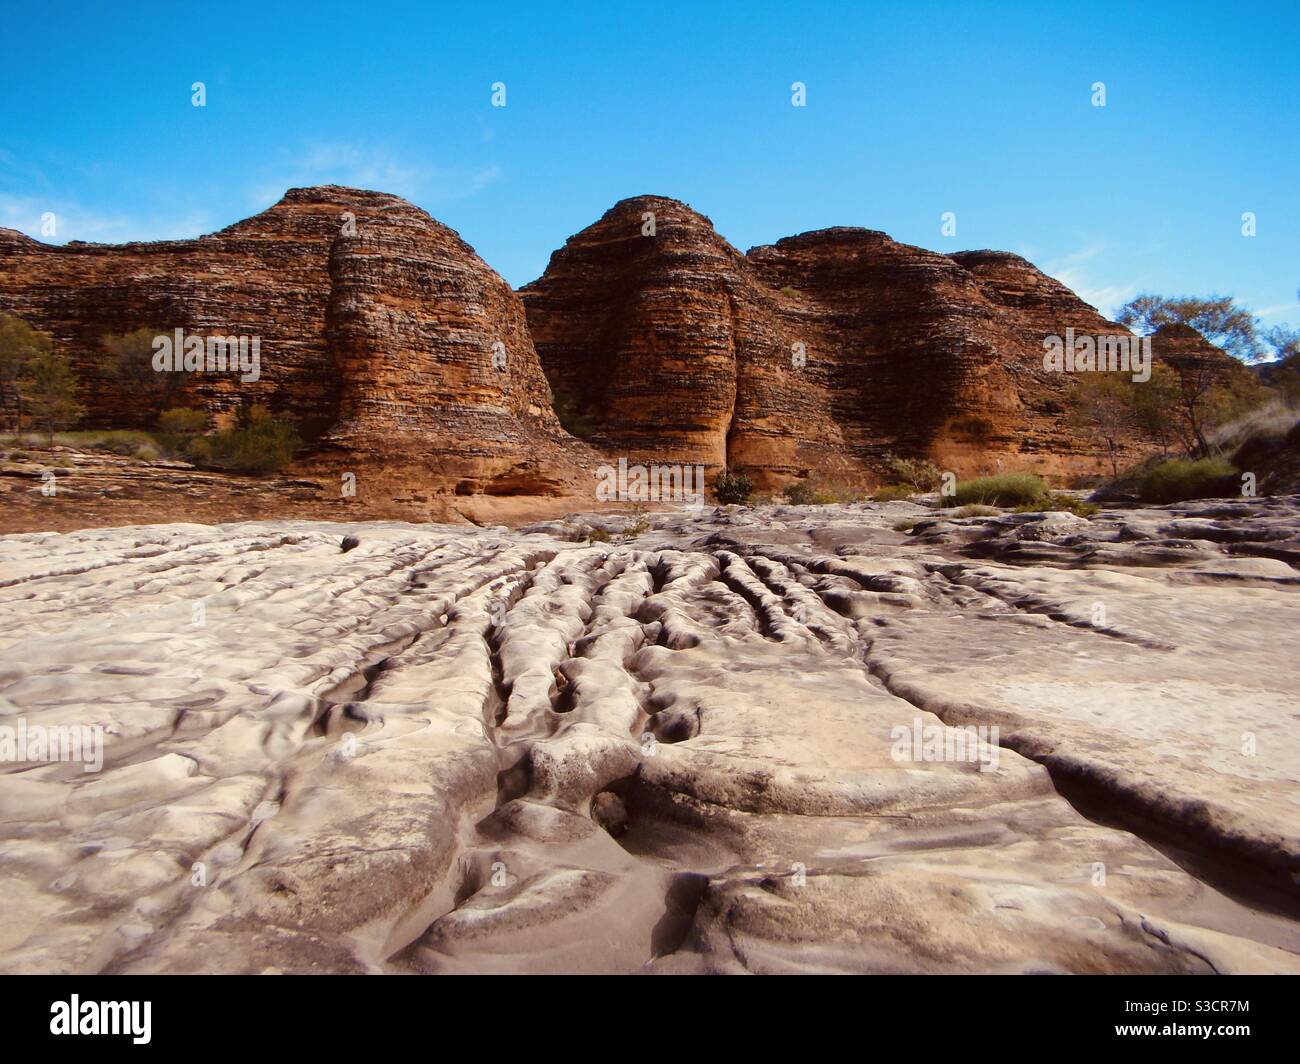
(740, 740)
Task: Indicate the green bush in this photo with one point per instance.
(804, 493)
(183, 421)
(1179, 479)
(920, 474)
(893, 493)
(584, 533)
(800, 493)
(823, 488)
(177, 429)
(1073, 505)
(639, 522)
(573, 419)
(1058, 500)
(821, 492)
(1005, 489)
(257, 444)
(119, 446)
(733, 488)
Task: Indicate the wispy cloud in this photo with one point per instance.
(368, 166)
(1278, 310)
(1084, 254)
(20, 172)
(37, 216)
(27, 195)
(1078, 271)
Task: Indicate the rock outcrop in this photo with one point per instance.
(818, 354)
(405, 356)
(378, 326)
(779, 739)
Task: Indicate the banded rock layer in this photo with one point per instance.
(381, 332)
(818, 354)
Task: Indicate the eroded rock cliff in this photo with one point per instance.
(403, 354)
(378, 327)
(819, 354)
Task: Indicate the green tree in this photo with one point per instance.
(1206, 402)
(1221, 321)
(1235, 399)
(1197, 379)
(132, 364)
(1105, 407)
(733, 488)
(49, 390)
(1283, 341)
(920, 474)
(1284, 373)
(19, 345)
(1156, 408)
(257, 443)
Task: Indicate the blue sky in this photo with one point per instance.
(913, 109)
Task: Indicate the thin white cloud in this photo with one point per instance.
(72, 221)
(1278, 309)
(1078, 272)
(24, 202)
(1088, 251)
(367, 166)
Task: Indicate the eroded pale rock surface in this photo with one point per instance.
(464, 751)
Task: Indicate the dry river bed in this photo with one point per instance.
(776, 739)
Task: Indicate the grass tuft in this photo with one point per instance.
(1004, 489)
(1180, 479)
